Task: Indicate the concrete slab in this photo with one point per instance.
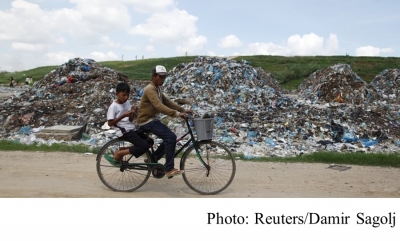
(60, 136)
(61, 129)
(61, 132)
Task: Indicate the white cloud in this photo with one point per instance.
(60, 40)
(230, 41)
(100, 56)
(101, 16)
(22, 23)
(27, 22)
(82, 26)
(192, 45)
(174, 27)
(150, 48)
(146, 6)
(332, 45)
(373, 51)
(27, 46)
(387, 50)
(28, 27)
(57, 58)
(308, 44)
(130, 47)
(107, 42)
(266, 49)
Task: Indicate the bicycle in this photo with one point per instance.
(209, 167)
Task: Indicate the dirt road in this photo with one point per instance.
(39, 174)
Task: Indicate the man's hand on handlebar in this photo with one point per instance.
(185, 113)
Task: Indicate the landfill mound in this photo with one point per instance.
(334, 104)
(338, 83)
(236, 94)
(222, 84)
(77, 92)
(387, 84)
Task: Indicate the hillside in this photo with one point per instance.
(289, 71)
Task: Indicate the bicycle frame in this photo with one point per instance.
(192, 140)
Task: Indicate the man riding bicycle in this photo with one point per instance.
(153, 102)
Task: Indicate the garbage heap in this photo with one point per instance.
(334, 109)
(369, 108)
(77, 92)
(220, 84)
(387, 85)
(337, 83)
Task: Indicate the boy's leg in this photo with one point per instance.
(139, 147)
(169, 141)
(118, 154)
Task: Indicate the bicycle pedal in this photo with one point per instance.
(170, 177)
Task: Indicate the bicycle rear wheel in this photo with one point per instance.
(222, 167)
(117, 178)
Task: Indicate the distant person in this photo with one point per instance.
(121, 114)
(12, 82)
(31, 80)
(27, 80)
(152, 103)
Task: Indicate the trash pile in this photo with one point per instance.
(212, 83)
(333, 109)
(337, 83)
(77, 92)
(387, 85)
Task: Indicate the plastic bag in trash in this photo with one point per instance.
(25, 130)
(270, 142)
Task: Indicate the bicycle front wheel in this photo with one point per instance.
(222, 167)
(115, 177)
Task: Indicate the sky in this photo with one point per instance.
(35, 33)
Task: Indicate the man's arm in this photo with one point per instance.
(172, 104)
(159, 106)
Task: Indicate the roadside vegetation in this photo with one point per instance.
(6, 145)
(357, 158)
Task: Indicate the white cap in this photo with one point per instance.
(159, 69)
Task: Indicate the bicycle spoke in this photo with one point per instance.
(112, 176)
(222, 168)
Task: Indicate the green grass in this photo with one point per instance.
(6, 145)
(37, 74)
(289, 71)
(141, 69)
(362, 159)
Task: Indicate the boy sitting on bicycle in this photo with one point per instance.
(121, 114)
(153, 102)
